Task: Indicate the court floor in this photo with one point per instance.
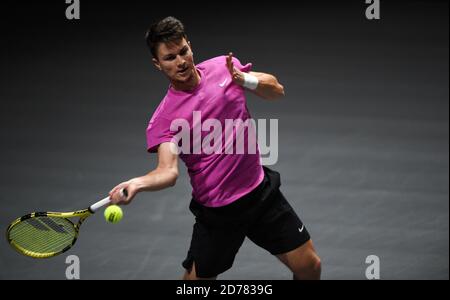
(363, 142)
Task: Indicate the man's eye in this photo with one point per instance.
(183, 52)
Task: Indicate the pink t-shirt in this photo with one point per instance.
(219, 178)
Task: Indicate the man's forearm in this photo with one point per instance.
(268, 86)
(157, 179)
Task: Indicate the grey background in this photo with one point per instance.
(363, 131)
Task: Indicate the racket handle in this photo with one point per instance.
(94, 207)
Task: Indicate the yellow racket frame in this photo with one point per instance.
(82, 214)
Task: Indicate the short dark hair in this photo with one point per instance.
(166, 30)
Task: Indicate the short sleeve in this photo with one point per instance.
(237, 64)
(158, 132)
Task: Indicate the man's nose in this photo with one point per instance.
(180, 61)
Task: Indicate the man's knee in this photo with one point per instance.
(310, 268)
(316, 264)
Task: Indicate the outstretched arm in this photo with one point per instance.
(266, 86)
(165, 175)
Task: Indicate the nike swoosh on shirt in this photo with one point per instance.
(301, 229)
(223, 83)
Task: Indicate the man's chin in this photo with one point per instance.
(184, 77)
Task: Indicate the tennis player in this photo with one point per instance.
(233, 195)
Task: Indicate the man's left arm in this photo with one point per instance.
(262, 84)
(268, 86)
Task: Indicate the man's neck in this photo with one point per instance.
(188, 85)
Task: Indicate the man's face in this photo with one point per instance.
(176, 60)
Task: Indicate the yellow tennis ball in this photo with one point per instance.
(113, 214)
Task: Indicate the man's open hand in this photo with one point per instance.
(236, 75)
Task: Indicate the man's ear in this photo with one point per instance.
(190, 46)
(156, 64)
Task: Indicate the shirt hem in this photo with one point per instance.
(240, 195)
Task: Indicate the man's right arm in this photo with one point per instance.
(165, 175)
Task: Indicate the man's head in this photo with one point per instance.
(171, 50)
(166, 30)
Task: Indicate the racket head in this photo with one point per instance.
(44, 234)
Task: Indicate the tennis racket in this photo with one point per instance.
(47, 234)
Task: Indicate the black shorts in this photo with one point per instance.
(263, 215)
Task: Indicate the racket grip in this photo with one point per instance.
(94, 207)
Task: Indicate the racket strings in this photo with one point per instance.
(37, 241)
(41, 240)
(41, 244)
(43, 234)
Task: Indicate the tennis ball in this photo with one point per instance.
(113, 214)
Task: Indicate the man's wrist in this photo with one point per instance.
(250, 81)
(139, 183)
